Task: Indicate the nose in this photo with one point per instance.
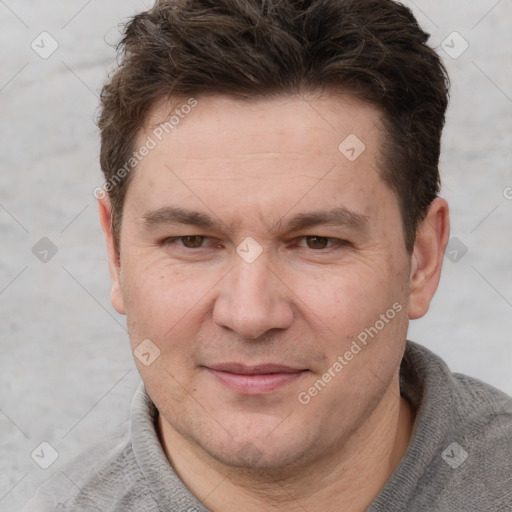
(253, 300)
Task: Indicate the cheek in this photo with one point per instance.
(161, 307)
(146, 294)
(361, 311)
(163, 301)
(348, 297)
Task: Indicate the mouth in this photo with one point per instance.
(255, 380)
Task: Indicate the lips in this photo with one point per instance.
(262, 369)
(255, 380)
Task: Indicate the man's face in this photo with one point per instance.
(246, 326)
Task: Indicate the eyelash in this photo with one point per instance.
(335, 242)
(173, 241)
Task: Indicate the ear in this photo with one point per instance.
(114, 264)
(427, 259)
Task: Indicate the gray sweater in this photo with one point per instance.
(459, 457)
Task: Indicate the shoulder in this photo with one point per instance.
(482, 414)
(483, 422)
(464, 405)
(467, 426)
(476, 462)
(106, 477)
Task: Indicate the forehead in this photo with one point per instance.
(303, 122)
(265, 153)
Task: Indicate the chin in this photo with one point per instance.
(255, 457)
(263, 449)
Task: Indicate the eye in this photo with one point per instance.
(321, 244)
(317, 242)
(189, 241)
(192, 241)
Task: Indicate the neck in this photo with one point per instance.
(352, 473)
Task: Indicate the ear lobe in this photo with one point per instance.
(427, 259)
(114, 264)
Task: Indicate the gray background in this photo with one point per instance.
(66, 371)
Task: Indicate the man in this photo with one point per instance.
(272, 219)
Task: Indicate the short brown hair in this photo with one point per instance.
(250, 49)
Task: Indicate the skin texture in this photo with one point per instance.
(252, 168)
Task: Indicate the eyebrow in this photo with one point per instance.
(336, 217)
(172, 215)
(339, 216)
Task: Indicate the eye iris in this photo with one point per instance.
(317, 242)
(192, 242)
